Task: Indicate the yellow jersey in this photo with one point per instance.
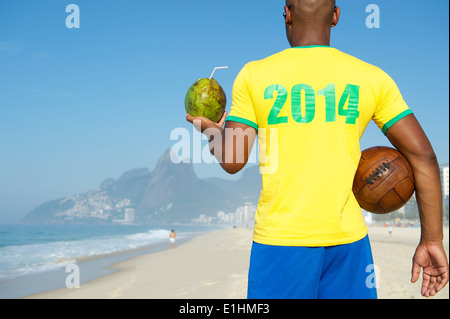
(311, 106)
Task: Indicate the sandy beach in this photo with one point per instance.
(215, 266)
(393, 255)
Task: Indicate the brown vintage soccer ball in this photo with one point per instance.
(384, 180)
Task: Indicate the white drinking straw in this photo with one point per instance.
(216, 68)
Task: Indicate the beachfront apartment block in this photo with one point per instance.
(445, 191)
(242, 215)
(444, 180)
(128, 217)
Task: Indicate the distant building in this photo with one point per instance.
(128, 217)
(242, 215)
(445, 191)
(411, 207)
(444, 180)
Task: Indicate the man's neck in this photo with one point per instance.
(311, 37)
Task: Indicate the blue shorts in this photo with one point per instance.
(335, 272)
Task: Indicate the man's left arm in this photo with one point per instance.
(409, 138)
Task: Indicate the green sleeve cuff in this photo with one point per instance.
(395, 120)
(243, 121)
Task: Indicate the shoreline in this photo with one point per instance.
(91, 268)
(214, 265)
(186, 273)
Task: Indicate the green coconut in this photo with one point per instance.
(206, 98)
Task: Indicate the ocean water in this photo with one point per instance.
(32, 249)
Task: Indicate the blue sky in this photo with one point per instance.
(80, 105)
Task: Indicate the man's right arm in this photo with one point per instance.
(231, 141)
(231, 145)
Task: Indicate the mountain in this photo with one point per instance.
(171, 193)
(247, 187)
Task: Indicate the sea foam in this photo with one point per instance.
(19, 260)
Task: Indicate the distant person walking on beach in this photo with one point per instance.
(172, 237)
(309, 106)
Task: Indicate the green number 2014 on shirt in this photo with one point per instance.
(351, 93)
